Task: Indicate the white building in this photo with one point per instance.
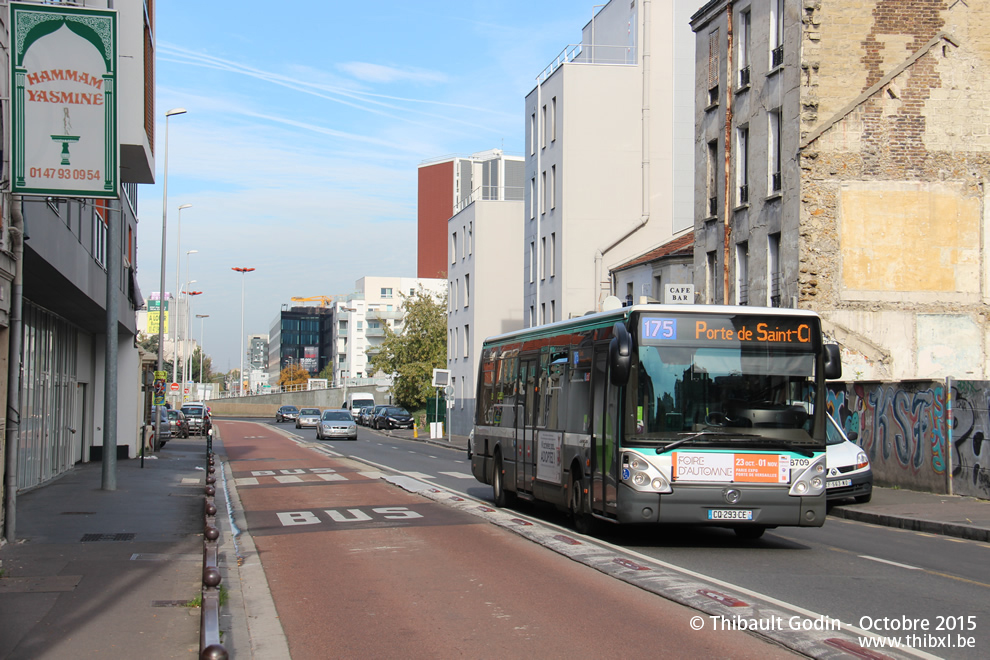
(609, 154)
(361, 318)
(485, 264)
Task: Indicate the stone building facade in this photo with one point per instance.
(873, 117)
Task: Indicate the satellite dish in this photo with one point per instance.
(611, 303)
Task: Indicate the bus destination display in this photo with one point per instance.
(726, 331)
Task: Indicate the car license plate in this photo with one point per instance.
(838, 483)
(730, 514)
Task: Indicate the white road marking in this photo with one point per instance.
(190, 481)
(287, 479)
(372, 475)
(332, 477)
(246, 481)
(892, 563)
(459, 475)
(419, 475)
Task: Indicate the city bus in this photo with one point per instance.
(708, 415)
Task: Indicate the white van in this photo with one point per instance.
(359, 400)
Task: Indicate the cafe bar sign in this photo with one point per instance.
(64, 104)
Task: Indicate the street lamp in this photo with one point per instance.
(202, 342)
(240, 384)
(175, 339)
(187, 350)
(161, 293)
(186, 324)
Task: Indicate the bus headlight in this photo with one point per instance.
(642, 475)
(811, 482)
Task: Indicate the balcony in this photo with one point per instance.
(743, 195)
(383, 315)
(712, 207)
(775, 182)
(744, 77)
(777, 57)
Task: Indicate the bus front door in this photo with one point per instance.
(525, 426)
(604, 438)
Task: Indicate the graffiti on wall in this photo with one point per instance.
(902, 427)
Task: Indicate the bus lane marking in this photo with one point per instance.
(458, 475)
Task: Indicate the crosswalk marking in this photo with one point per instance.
(459, 475)
(288, 479)
(332, 477)
(246, 481)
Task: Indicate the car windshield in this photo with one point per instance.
(195, 411)
(310, 411)
(337, 416)
(396, 411)
(833, 436)
(290, 409)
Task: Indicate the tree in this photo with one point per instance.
(293, 375)
(327, 372)
(413, 355)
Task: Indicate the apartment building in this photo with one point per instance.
(74, 243)
(841, 160)
(609, 153)
(484, 275)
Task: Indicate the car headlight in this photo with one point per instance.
(862, 461)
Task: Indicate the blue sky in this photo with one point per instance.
(305, 126)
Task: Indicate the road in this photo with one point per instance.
(848, 571)
(358, 567)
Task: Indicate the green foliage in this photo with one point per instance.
(327, 372)
(417, 351)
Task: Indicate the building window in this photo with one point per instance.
(457, 295)
(711, 278)
(386, 292)
(543, 138)
(532, 261)
(453, 248)
(543, 313)
(457, 340)
(553, 254)
(553, 311)
(553, 119)
(543, 258)
(532, 316)
(776, 33)
(773, 270)
(450, 344)
(463, 242)
(467, 289)
(744, 31)
(100, 232)
(532, 134)
(713, 68)
(742, 273)
(553, 186)
(470, 240)
(532, 198)
(773, 152)
(711, 182)
(467, 341)
(658, 287)
(742, 165)
(543, 197)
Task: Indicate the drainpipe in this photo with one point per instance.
(947, 425)
(14, 365)
(644, 217)
(727, 202)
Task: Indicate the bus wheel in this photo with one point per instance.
(750, 533)
(503, 498)
(582, 520)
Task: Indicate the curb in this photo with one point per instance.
(914, 524)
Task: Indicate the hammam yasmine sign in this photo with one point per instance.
(64, 101)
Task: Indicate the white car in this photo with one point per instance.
(849, 473)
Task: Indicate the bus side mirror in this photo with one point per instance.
(833, 362)
(620, 355)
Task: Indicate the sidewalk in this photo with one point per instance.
(107, 574)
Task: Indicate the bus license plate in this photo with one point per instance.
(730, 514)
(838, 483)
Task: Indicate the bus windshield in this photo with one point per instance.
(755, 391)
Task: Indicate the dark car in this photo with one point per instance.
(180, 425)
(198, 417)
(392, 417)
(363, 416)
(166, 432)
(286, 414)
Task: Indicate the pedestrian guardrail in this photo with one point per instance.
(210, 647)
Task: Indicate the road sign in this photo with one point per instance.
(185, 390)
(174, 387)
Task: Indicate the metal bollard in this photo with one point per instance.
(210, 647)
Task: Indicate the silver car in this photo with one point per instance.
(308, 418)
(336, 424)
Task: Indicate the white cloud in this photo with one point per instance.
(386, 74)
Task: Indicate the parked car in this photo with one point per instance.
(336, 424)
(198, 417)
(166, 427)
(363, 416)
(286, 414)
(308, 417)
(392, 417)
(849, 472)
(374, 411)
(180, 425)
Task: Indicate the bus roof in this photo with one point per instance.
(607, 319)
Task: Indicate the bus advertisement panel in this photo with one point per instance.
(652, 413)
